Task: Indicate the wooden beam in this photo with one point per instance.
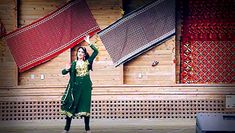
(17, 6)
(121, 68)
(177, 44)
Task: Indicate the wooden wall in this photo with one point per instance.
(17, 13)
(105, 12)
(29, 11)
(140, 71)
(8, 69)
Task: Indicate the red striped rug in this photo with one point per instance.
(51, 35)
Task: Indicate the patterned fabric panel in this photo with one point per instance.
(136, 32)
(208, 41)
(49, 36)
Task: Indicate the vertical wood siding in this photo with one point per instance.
(8, 69)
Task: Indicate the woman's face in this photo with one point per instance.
(80, 54)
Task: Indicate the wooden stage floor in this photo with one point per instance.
(102, 126)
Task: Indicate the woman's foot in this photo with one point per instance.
(88, 131)
(65, 131)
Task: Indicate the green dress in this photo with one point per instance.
(76, 100)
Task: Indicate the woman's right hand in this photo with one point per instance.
(87, 39)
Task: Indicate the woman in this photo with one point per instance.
(76, 100)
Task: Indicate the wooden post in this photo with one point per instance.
(121, 74)
(121, 66)
(177, 44)
(17, 3)
(16, 12)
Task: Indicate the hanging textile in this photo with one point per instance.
(139, 31)
(208, 41)
(49, 36)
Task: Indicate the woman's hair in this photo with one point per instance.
(86, 56)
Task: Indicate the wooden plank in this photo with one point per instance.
(149, 68)
(7, 65)
(7, 74)
(175, 89)
(4, 1)
(104, 2)
(106, 78)
(149, 77)
(121, 74)
(151, 58)
(100, 8)
(102, 74)
(149, 82)
(33, 10)
(148, 63)
(106, 82)
(106, 12)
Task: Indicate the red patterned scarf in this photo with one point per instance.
(51, 35)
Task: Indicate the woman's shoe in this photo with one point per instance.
(88, 131)
(65, 131)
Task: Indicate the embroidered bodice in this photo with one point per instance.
(82, 68)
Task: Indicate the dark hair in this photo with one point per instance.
(86, 56)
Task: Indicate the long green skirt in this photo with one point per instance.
(81, 98)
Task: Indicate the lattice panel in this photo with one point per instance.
(215, 66)
(113, 109)
(30, 110)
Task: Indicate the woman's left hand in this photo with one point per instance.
(87, 39)
(67, 67)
